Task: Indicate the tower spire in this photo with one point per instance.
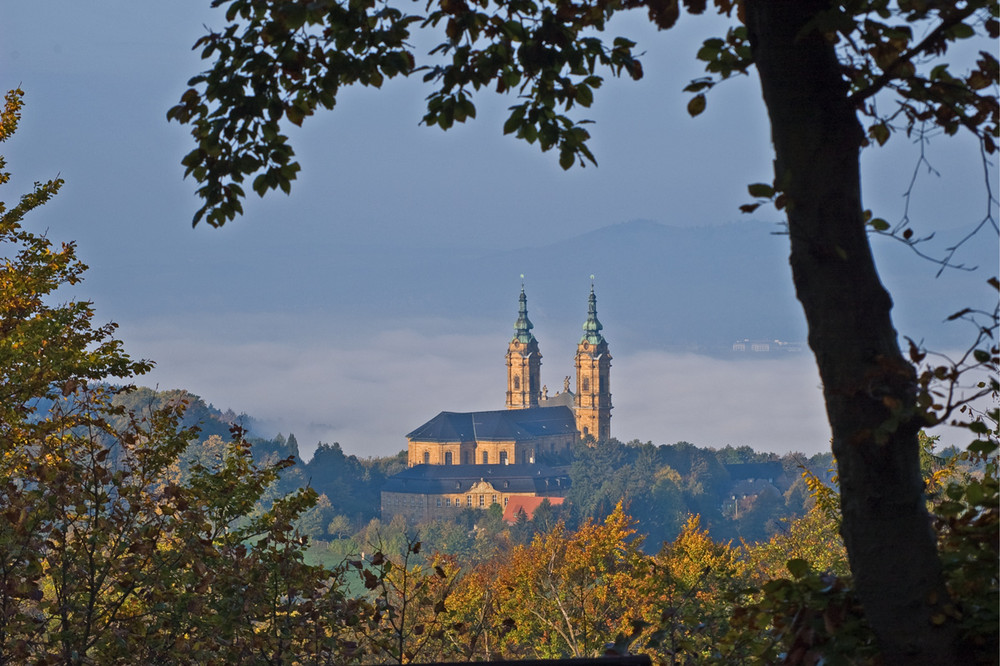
(523, 325)
(593, 374)
(592, 327)
(523, 361)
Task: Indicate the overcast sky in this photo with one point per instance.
(99, 78)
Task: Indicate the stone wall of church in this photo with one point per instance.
(508, 452)
(440, 453)
(417, 507)
(593, 390)
(523, 374)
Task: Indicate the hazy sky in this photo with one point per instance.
(99, 78)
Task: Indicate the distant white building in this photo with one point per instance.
(746, 345)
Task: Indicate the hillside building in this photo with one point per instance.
(431, 492)
(461, 460)
(505, 437)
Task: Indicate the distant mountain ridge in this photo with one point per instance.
(691, 288)
(718, 284)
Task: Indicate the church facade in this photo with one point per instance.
(460, 460)
(504, 437)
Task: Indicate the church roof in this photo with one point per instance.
(439, 479)
(498, 425)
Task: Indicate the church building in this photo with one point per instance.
(461, 460)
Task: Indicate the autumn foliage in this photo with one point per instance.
(110, 555)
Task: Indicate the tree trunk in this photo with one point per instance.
(868, 386)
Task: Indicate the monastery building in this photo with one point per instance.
(461, 460)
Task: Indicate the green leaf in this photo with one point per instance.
(878, 224)
(698, 85)
(566, 157)
(761, 190)
(984, 447)
(512, 124)
(696, 105)
(960, 31)
(295, 114)
(979, 428)
(260, 184)
(798, 567)
(528, 132)
(708, 53)
(950, 508)
(880, 132)
(974, 493)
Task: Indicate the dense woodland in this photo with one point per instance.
(659, 485)
(131, 536)
(179, 540)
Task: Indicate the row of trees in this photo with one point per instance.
(661, 485)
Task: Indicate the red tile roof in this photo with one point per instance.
(527, 506)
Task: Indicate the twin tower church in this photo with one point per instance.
(510, 457)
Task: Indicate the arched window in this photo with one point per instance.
(517, 383)
(427, 457)
(503, 457)
(447, 457)
(486, 458)
(586, 383)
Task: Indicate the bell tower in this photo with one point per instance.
(524, 362)
(593, 368)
